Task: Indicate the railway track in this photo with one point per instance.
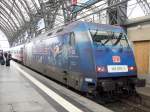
(135, 103)
(135, 107)
(130, 104)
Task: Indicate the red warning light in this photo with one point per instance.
(74, 2)
(116, 59)
(100, 69)
(132, 68)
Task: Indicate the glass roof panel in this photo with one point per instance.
(17, 12)
(8, 22)
(25, 14)
(37, 2)
(133, 6)
(4, 7)
(31, 6)
(59, 19)
(15, 20)
(4, 45)
(8, 11)
(8, 2)
(98, 17)
(18, 15)
(24, 4)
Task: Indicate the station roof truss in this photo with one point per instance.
(15, 15)
(18, 16)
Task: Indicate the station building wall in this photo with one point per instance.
(140, 37)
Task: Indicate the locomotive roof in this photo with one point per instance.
(96, 24)
(81, 25)
(89, 25)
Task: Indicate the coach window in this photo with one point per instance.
(72, 39)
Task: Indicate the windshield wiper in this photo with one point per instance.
(106, 41)
(95, 34)
(118, 40)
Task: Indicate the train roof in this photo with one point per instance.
(95, 24)
(81, 25)
(91, 25)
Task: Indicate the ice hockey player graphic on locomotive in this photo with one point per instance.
(86, 56)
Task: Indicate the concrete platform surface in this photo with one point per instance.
(145, 91)
(146, 77)
(19, 94)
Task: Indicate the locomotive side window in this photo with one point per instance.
(72, 39)
(109, 38)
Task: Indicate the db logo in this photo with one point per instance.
(116, 59)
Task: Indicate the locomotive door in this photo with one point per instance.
(73, 61)
(70, 59)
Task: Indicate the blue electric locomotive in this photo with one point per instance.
(86, 56)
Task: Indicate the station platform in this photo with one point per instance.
(145, 90)
(146, 77)
(22, 90)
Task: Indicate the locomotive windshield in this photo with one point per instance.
(109, 38)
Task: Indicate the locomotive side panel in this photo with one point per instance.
(56, 57)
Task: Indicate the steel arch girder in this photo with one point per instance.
(19, 11)
(6, 29)
(54, 17)
(9, 8)
(51, 13)
(7, 36)
(8, 22)
(5, 26)
(26, 9)
(11, 27)
(27, 5)
(33, 1)
(6, 17)
(6, 13)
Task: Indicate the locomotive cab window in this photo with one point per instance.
(109, 38)
(72, 39)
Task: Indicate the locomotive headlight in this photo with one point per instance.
(132, 68)
(100, 69)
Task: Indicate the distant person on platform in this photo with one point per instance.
(2, 61)
(5, 54)
(8, 58)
